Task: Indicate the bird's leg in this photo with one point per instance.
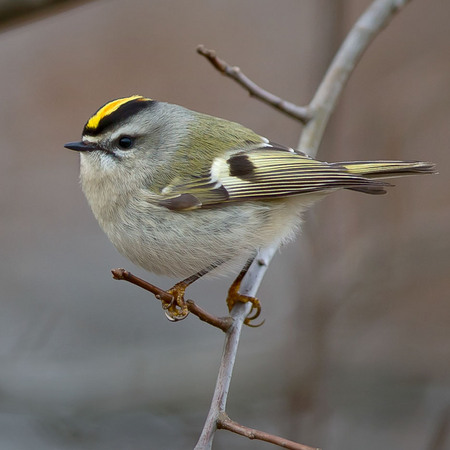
(177, 309)
(234, 296)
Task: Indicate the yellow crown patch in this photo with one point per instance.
(109, 108)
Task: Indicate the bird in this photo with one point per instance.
(186, 194)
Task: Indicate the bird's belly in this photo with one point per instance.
(180, 244)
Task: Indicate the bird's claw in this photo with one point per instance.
(176, 309)
(234, 296)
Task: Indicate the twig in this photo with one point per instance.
(316, 116)
(219, 400)
(223, 323)
(249, 286)
(122, 274)
(11, 12)
(297, 112)
(367, 27)
(225, 423)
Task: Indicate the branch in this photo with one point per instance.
(14, 10)
(249, 286)
(372, 21)
(297, 112)
(223, 323)
(225, 423)
(316, 116)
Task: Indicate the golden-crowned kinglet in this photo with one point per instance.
(183, 194)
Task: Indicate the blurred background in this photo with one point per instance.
(355, 350)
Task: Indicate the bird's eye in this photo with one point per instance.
(125, 142)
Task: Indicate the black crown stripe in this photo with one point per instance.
(122, 113)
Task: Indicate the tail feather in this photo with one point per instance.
(383, 169)
(374, 189)
(387, 169)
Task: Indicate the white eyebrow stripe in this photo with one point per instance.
(128, 129)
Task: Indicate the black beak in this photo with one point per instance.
(81, 146)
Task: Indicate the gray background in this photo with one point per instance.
(355, 349)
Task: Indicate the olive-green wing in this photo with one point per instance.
(263, 174)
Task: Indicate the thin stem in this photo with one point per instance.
(367, 27)
(219, 400)
(160, 294)
(222, 323)
(225, 423)
(249, 286)
(297, 112)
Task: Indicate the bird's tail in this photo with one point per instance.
(385, 169)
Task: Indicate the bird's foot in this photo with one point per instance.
(234, 296)
(176, 309)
